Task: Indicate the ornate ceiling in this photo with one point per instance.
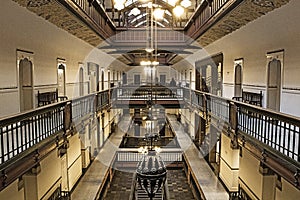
(67, 15)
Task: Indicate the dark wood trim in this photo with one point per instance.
(227, 8)
(237, 59)
(25, 161)
(61, 59)
(9, 88)
(252, 85)
(276, 51)
(290, 88)
(25, 51)
(286, 168)
(86, 19)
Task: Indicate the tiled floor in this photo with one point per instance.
(89, 184)
(178, 186)
(120, 186)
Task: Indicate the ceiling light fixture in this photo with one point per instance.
(158, 13)
(186, 3)
(119, 6)
(178, 11)
(135, 11)
(172, 2)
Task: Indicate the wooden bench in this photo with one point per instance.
(45, 98)
(251, 98)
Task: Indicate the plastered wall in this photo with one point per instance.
(278, 30)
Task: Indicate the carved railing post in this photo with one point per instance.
(204, 104)
(67, 116)
(233, 123)
(95, 103)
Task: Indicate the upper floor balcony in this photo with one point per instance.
(272, 136)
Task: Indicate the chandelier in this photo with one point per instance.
(179, 6)
(151, 170)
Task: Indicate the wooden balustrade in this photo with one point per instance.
(273, 132)
(24, 130)
(93, 15)
(144, 92)
(208, 13)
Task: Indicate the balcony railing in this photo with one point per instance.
(93, 15)
(145, 92)
(134, 156)
(207, 13)
(24, 130)
(278, 131)
(273, 132)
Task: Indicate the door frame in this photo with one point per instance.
(240, 62)
(278, 55)
(21, 55)
(61, 61)
(81, 79)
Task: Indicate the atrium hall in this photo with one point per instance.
(149, 99)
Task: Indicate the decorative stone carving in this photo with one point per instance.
(247, 11)
(57, 14)
(37, 3)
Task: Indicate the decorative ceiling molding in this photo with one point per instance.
(247, 11)
(57, 14)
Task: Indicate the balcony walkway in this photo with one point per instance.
(89, 185)
(209, 183)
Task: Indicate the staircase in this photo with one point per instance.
(142, 194)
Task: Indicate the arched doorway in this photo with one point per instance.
(81, 82)
(26, 84)
(61, 79)
(93, 72)
(238, 77)
(274, 85)
(274, 74)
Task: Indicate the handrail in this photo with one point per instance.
(24, 130)
(21, 131)
(267, 126)
(207, 13)
(278, 132)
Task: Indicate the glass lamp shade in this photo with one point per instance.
(158, 13)
(186, 3)
(151, 173)
(178, 11)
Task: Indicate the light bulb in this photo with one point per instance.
(186, 3)
(178, 11)
(149, 50)
(135, 12)
(119, 1)
(155, 63)
(158, 13)
(144, 63)
(172, 2)
(119, 6)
